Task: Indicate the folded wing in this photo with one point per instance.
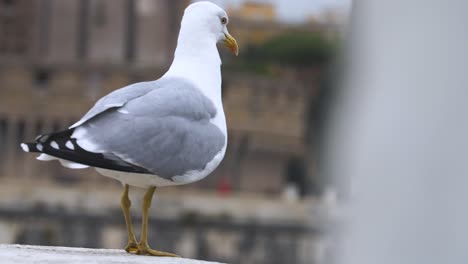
(164, 131)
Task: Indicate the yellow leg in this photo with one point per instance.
(143, 247)
(125, 203)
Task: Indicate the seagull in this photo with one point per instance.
(170, 131)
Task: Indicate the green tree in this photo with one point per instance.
(296, 49)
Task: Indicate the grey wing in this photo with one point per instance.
(117, 98)
(167, 131)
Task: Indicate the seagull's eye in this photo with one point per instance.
(223, 20)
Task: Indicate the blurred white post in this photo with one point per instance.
(400, 133)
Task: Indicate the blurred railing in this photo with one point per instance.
(215, 240)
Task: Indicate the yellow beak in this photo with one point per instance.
(231, 43)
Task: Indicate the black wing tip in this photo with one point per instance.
(61, 145)
(42, 140)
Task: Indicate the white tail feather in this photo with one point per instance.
(65, 163)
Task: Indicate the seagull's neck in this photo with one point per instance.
(197, 60)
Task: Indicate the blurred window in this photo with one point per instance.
(20, 134)
(82, 47)
(41, 78)
(14, 30)
(3, 139)
(131, 28)
(296, 175)
(7, 7)
(100, 16)
(3, 132)
(8, 3)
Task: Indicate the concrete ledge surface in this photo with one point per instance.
(20, 254)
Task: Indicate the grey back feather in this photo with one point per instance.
(117, 99)
(166, 130)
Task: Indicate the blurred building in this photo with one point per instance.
(60, 56)
(57, 57)
(116, 32)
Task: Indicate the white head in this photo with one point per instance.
(196, 58)
(205, 23)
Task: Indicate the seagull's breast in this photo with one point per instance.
(205, 75)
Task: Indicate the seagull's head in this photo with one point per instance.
(207, 20)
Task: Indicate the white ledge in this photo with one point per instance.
(68, 255)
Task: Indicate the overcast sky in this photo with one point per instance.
(294, 10)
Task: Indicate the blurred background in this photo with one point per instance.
(268, 202)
